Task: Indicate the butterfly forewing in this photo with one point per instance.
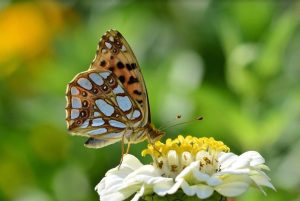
(115, 54)
(109, 102)
(98, 106)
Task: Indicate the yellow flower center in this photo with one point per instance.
(173, 156)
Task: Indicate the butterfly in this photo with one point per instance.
(109, 102)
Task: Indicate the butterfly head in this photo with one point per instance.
(154, 133)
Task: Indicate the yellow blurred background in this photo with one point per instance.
(235, 63)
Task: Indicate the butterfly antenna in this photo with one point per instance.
(169, 123)
(181, 123)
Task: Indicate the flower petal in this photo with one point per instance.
(139, 194)
(204, 191)
(233, 185)
(214, 181)
(240, 163)
(254, 157)
(162, 187)
(226, 159)
(200, 176)
(187, 189)
(116, 196)
(260, 180)
(142, 174)
(188, 170)
(232, 189)
(176, 186)
(131, 162)
(233, 171)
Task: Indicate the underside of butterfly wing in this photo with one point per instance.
(99, 107)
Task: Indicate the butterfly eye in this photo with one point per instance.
(85, 103)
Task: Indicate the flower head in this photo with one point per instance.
(175, 155)
(197, 166)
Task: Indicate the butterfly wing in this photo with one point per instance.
(99, 107)
(115, 54)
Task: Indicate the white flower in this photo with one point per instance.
(198, 166)
(132, 177)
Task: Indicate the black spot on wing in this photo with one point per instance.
(132, 80)
(103, 63)
(128, 66)
(120, 65)
(133, 66)
(122, 78)
(137, 92)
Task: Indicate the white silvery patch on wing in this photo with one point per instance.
(114, 135)
(85, 124)
(74, 91)
(108, 45)
(118, 90)
(74, 113)
(85, 83)
(96, 114)
(105, 74)
(124, 103)
(96, 78)
(136, 114)
(116, 124)
(76, 102)
(97, 131)
(97, 122)
(123, 49)
(104, 107)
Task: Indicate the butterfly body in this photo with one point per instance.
(108, 102)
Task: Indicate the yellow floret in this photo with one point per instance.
(182, 144)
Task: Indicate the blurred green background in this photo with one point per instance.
(237, 64)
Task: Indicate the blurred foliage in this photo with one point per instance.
(235, 63)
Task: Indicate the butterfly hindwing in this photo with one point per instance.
(115, 54)
(98, 106)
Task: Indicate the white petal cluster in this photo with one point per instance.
(133, 178)
(226, 173)
(232, 178)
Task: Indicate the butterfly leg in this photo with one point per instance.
(128, 147)
(122, 145)
(153, 144)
